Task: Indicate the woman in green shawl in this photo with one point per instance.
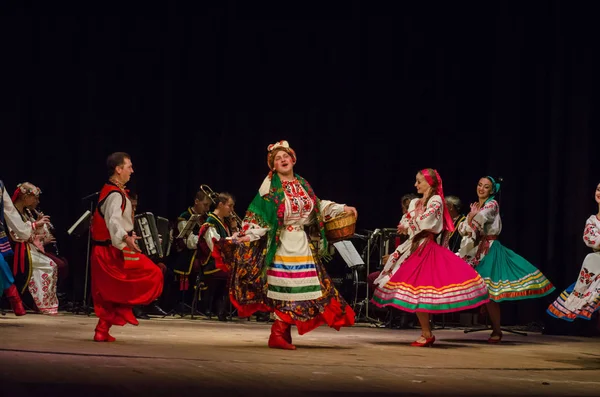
(276, 268)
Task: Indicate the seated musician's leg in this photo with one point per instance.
(42, 284)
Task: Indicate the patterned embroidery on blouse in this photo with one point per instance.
(434, 208)
(299, 203)
(410, 221)
(590, 234)
(586, 277)
(475, 224)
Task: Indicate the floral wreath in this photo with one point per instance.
(26, 188)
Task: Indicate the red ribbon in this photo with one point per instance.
(448, 223)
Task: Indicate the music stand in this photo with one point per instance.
(81, 226)
(189, 226)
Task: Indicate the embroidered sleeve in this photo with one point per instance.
(429, 219)
(14, 221)
(591, 234)
(114, 219)
(465, 230)
(329, 209)
(485, 215)
(407, 216)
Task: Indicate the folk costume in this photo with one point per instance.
(215, 278)
(121, 277)
(186, 258)
(508, 276)
(279, 270)
(32, 268)
(582, 298)
(422, 276)
(22, 231)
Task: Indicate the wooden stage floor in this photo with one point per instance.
(55, 356)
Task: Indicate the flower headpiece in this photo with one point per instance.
(276, 147)
(26, 188)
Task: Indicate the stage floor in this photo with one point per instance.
(55, 356)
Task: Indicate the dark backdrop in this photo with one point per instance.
(367, 93)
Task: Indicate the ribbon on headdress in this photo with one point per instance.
(495, 189)
(448, 223)
(280, 144)
(15, 195)
(26, 188)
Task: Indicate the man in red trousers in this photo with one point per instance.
(122, 276)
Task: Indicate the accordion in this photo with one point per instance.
(155, 234)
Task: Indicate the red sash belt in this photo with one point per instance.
(484, 246)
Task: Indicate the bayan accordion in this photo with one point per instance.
(155, 234)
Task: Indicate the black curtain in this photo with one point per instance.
(367, 93)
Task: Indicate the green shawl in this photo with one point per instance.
(268, 211)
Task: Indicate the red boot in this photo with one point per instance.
(15, 300)
(287, 335)
(102, 334)
(277, 340)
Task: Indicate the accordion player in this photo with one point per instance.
(155, 233)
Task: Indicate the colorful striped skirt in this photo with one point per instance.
(582, 298)
(433, 280)
(298, 289)
(510, 277)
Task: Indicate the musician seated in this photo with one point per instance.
(451, 240)
(216, 227)
(50, 247)
(406, 199)
(185, 262)
(35, 269)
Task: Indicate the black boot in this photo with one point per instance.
(221, 306)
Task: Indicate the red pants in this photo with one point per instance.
(122, 280)
(371, 280)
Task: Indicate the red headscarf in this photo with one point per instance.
(448, 223)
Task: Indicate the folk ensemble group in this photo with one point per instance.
(272, 265)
